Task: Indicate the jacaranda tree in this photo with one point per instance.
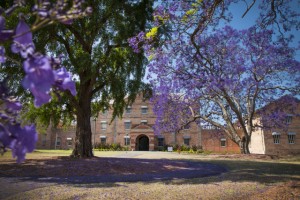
(215, 74)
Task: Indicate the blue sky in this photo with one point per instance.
(238, 22)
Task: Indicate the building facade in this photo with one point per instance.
(216, 141)
(57, 138)
(279, 141)
(134, 131)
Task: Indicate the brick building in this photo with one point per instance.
(134, 130)
(216, 141)
(279, 141)
(57, 138)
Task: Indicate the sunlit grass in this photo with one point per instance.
(45, 153)
(52, 152)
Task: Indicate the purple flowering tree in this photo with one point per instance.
(43, 73)
(227, 73)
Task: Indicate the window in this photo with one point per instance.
(128, 110)
(144, 122)
(160, 142)
(288, 119)
(223, 142)
(144, 109)
(127, 140)
(127, 125)
(69, 141)
(58, 141)
(291, 137)
(276, 137)
(103, 140)
(186, 141)
(103, 125)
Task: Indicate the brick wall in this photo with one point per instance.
(57, 138)
(215, 140)
(108, 131)
(279, 141)
(285, 145)
(141, 124)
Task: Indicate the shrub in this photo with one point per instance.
(200, 151)
(175, 147)
(115, 147)
(185, 148)
(196, 147)
(110, 147)
(162, 148)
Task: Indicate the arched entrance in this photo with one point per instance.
(142, 143)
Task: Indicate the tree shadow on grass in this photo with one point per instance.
(250, 171)
(108, 172)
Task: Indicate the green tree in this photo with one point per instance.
(96, 51)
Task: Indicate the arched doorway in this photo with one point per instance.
(142, 143)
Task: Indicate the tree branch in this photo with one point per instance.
(67, 47)
(81, 40)
(248, 8)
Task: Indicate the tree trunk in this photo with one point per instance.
(244, 145)
(83, 141)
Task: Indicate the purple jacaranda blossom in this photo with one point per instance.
(12, 105)
(2, 50)
(3, 116)
(141, 36)
(2, 54)
(19, 139)
(134, 43)
(55, 62)
(24, 139)
(23, 43)
(60, 12)
(39, 78)
(63, 81)
(5, 137)
(2, 23)
(4, 34)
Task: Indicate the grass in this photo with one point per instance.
(44, 153)
(245, 179)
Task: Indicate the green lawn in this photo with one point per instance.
(44, 153)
